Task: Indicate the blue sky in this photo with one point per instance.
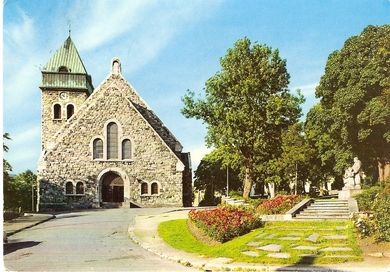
(165, 47)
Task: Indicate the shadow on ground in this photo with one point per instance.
(305, 263)
(11, 247)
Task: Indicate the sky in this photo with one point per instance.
(165, 48)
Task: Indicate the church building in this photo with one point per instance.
(104, 146)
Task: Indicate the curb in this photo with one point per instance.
(30, 226)
(134, 238)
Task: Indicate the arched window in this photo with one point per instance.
(69, 111)
(69, 188)
(144, 188)
(112, 141)
(97, 149)
(154, 188)
(126, 149)
(63, 69)
(57, 111)
(80, 188)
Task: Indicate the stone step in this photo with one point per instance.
(331, 201)
(331, 215)
(327, 209)
(324, 212)
(327, 205)
(304, 216)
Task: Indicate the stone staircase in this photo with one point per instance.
(325, 209)
(234, 202)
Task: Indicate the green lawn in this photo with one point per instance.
(176, 234)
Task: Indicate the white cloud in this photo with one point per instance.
(21, 34)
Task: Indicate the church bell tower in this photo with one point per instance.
(65, 86)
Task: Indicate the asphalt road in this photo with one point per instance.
(84, 241)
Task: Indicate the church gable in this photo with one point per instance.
(112, 101)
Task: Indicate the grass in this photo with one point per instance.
(177, 235)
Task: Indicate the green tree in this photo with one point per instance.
(7, 180)
(24, 187)
(211, 176)
(246, 106)
(354, 97)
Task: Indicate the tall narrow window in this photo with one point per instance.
(69, 111)
(144, 188)
(98, 149)
(80, 188)
(57, 111)
(154, 188)
(126, 149)
(69, 188)
(112, 141)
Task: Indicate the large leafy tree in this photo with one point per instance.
(246, 106)
(354, 97)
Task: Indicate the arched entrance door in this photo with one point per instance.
(112, 188)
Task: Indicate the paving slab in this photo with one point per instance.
(335, 237)
(306, 247)
(271, 247)
(279, 255)
(308, 255)
(288, 238)
(341, 227)
(299, 234)
(271, 236)
(336, 249)
(313, 237)
(339, 256)
(253, 244)
(250, 253)
(376, 254)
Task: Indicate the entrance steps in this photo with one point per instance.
(325, 210)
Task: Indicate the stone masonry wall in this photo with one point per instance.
(71, 157)
(48, 98)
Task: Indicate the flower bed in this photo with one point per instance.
(279, 204)
(224, 223)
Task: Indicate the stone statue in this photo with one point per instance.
(352, 175)
(348, 179)
(357, 165)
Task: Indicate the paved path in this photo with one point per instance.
(84, 241)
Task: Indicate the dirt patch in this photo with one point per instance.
(373, 251)
(200, 235)
(369, 245)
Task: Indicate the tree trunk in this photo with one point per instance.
(383, 169)
(248, 178)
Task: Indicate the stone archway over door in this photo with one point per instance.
(112, 188)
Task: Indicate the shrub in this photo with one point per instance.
(364, 224)
(224, 223)
(381, 209)
(366, 199)
(279, 204)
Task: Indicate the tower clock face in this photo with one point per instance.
(63, 95)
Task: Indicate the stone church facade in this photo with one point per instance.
(104, 146)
